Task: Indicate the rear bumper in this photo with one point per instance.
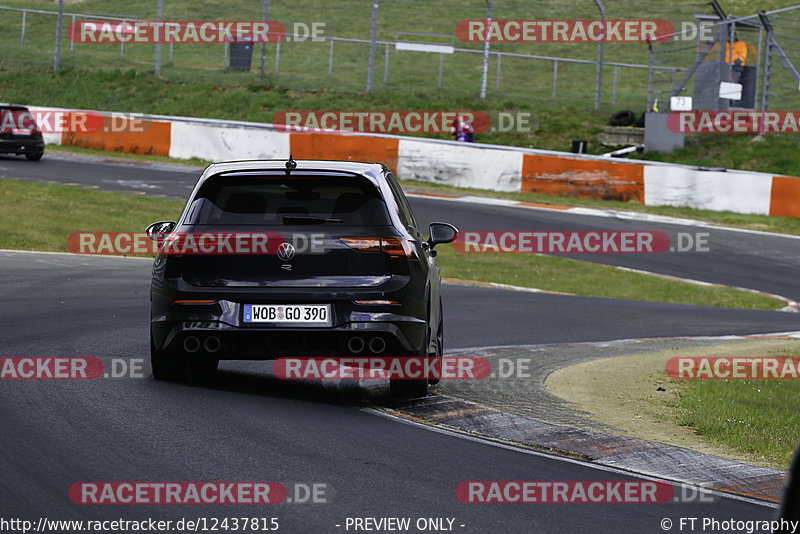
(226, 342)
(401, 328)
(15, 145)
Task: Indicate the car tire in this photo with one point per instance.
(623, 118)
(34, 156)
(405, 388)
(199, 370)
(166, 364)
(176, 366)
(439, 349)
(408, 389)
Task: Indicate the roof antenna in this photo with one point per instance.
(290, 165)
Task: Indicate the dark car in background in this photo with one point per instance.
(347, 271)
(19, 133)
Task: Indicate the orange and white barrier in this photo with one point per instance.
(491, 167)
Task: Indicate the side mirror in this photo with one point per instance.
(158, 230)
(441, 233)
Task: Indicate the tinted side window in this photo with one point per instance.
(406, 215)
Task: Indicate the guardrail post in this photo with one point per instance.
(555, 78)
(386, 64)
(497, 80)
(330, 59)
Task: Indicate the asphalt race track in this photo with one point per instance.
(249, 426)
(766, 262)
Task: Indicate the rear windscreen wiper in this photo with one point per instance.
(306, 219)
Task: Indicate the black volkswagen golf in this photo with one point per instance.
(274, 259)
(19, 133)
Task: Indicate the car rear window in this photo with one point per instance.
(17, 120)
(288, 200)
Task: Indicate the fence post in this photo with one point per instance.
(497, 80)
(57, 54)
(157, 72)
(386, 64)
(758, 60)
(265, 18)
(614, 91)
(765, 80)
(71, 42)
(599, 82)
(374, 28)
(277, 56)
(330, 59)
(485, 66)
(22, 39)
(441, 66)
(170, 50)
(650, 78)
(555, 78)
(767, 67)
(225, 56)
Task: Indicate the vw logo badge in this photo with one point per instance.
(285, 251)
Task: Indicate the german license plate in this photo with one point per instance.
(312, 314)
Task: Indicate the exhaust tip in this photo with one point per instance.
(377, 345)
(355, 344)
(191, 344)
(212, 344)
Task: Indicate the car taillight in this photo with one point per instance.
(364, 244)
(397, 246)
(390, 245)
